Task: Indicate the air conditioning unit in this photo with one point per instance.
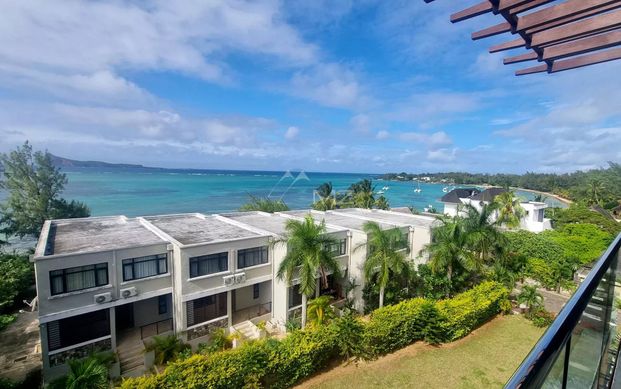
(129, 292)
(240, 278)
(103, 298)
(229, 280)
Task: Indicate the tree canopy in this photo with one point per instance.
(34, 187)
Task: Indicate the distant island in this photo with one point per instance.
(65, 162)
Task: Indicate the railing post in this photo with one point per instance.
(566, 362)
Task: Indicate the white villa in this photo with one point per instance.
(109, 283)
(533, 219)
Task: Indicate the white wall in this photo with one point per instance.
(244, 297)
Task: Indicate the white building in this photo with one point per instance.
(108, 283)
(533, 219)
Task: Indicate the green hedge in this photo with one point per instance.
(280, 364)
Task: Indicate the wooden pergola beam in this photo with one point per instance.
(529, 56)
(565, 11)
(470, 12)
(493, 30)
(574, 63)
(582, 46)
(514, 44)
(580, 28)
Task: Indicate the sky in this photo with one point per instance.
(336, 86)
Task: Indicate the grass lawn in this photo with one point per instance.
(485, 359)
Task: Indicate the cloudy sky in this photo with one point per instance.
(349, 86)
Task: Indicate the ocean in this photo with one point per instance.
(145, 191)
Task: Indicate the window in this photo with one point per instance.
(209, 264)
(295, 298)
(255, 291)
(251, 257)
(206, 308)
(338, 248)
(77, 329)
(78, 278)
(162, 304)
(143, 267)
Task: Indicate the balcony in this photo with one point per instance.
(581, 347)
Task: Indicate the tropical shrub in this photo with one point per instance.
(5, 320)
(582, 214)
(166, 348)
(468, 310)
(280, 364)
(88, 373)
(219, 340)
(17, 276)
(581, 242)
(541, 318)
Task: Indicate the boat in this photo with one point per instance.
(385, 188)
(445, 189)
(418, 189)
(380, 192)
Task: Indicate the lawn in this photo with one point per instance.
(484, 359)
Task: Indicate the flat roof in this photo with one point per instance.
(341, 220)
(197, 228)
(75, 236)
(274, 223)
(390, 217)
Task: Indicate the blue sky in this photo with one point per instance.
(345, 86)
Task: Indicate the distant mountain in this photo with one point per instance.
(64, 162)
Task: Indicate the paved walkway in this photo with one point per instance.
(20, 347)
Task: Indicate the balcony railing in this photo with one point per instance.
(581, 347)
(159, 327)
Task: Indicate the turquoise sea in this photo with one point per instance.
(146, 191)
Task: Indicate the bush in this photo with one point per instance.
(280, 364)
(468, 310)
(5, 320)
(541, 317)
(166, 348)
(17, 276)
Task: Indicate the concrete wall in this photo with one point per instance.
(244, 297)
(78, 302)
(146, 311)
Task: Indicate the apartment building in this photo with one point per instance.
(534, 211)
(108, 283)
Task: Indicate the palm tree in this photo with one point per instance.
(382, 203)
(326, 200)
(386, 255)
(449, 248)
(166, 348)
(264, 204)
(320, 311)
(482, 235)
(308, 256)
(595, 191)
(530, 297)
(362, 193)
(510, 212)
(87, 373)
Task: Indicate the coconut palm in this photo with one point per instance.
(320, 311)
(326, 200)
(87, 373)
(386, 255)
(449, 248)
(362, 193)
(530, 297)
(596, 190)
(510, 212)
(264, 204)
(382, 203)
(308, 257)
(482, 236)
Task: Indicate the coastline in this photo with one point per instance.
(557, 197)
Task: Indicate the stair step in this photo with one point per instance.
(131, 363)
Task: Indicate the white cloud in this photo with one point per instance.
(383, 134)
(331, 85)
(433, 140)
(291, 133)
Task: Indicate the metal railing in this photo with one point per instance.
(156, 328)
(580, 348)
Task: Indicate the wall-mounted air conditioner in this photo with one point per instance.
(103, 298)
(229, 280)
(129, 292)
(240, 278)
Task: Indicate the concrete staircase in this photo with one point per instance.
(131, 356)
(246, 329)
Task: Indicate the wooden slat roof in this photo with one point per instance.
(560, 34)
